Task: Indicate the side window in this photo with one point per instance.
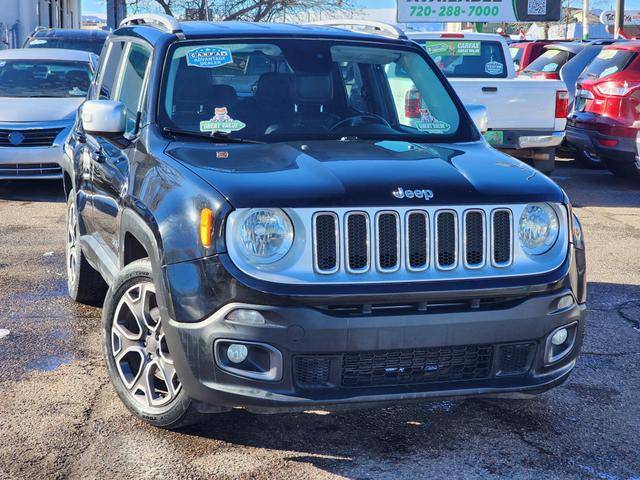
(108, 71)
(131, 82)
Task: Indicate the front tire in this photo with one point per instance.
(138, 360)
(84, 283)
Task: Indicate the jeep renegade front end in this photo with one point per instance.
(274, 238)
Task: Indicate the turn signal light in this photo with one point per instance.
(206, 227)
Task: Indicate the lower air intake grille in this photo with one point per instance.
(403, 367)
(29, 169)
(502, 246)
(515, 359)
(312, 371)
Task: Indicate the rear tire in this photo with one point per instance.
(84, 283)
(628, 170)
(138, 360)
(588, 159)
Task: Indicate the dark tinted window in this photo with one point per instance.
(109, 70)
(551, 60)
(608, 62)
(468, 58)
(93, 46)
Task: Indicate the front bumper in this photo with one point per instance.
(34, 163)
(322, 350)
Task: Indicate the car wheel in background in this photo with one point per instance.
(589, 159)
(545, 161)
(629, 170)
(138, 360)
(84, 283)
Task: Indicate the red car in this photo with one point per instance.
(606, 115)
(525, 52)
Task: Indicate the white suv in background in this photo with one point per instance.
(40, 91)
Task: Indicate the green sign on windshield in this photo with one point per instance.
(458, 48)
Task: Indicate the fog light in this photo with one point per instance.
(560, 337)
(237, 353)
(246, 317)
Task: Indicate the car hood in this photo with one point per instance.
(363, 173)
(38, 109)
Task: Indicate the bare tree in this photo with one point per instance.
(248, 10)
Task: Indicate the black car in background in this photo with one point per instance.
(69, 39)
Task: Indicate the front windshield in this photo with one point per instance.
(305, 90)
(44, 78)
(93, 46)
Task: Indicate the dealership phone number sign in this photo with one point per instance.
(418, 11)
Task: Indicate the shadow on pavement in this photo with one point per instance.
(32, 190)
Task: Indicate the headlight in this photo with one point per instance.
(538, 228)
(265, 235)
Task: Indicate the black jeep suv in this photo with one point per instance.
(274, 237)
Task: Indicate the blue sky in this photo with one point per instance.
(98, 6)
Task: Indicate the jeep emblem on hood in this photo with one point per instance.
(402, 193)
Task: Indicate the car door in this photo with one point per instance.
(81, 147)
(111, 158)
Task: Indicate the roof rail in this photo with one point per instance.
(166, 22)
(364, 26)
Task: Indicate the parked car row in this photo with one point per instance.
(603, 82)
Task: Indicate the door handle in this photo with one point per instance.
(490, 89)
(98, 156)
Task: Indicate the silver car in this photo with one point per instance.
(40, 91)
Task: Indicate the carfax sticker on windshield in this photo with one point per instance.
(209, 57)
(37, 41)
(493, 68)
(550, 67)
(221, 122)
(429, 123)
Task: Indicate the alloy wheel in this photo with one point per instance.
(72, 245)
(140, 350)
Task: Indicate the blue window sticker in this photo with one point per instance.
(209, 57)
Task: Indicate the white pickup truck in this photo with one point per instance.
(526, 117)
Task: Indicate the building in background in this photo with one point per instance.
(18, 18)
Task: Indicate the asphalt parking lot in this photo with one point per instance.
(60, 418)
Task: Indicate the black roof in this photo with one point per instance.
(98, 35)
(200, 29)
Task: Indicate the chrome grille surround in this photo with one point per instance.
(348, 260)
(316, 260)
(299, 266)
(439, 242)
(427, 243)
(466, 247)
(398, 241)
(493, 243)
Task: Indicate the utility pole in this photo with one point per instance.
(585, 20)
(116, 12)
(619, 27)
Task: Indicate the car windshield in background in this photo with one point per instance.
(44, 78)
(92, 46)
(608, 62)
(468, 58)
(305, 90)
(516, 56)
(551, 61)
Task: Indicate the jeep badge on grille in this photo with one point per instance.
(420, 193)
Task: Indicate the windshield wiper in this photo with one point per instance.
(217, 137)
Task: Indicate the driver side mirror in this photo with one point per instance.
(106, 118)
(479, 115)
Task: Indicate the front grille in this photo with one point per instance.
(416, 366)
(393, 240)
(29, 170)
(502, 237)
(446, 240)
(358, 254)
(41, 137)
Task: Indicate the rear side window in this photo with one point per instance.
(109, 71)
(468, 58)
(608, 62)
(552, 60)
